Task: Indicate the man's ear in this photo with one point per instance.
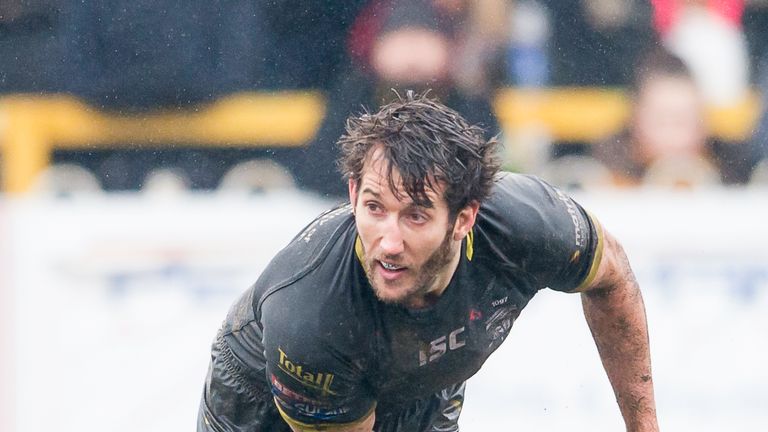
(465, 220)
(352, 185)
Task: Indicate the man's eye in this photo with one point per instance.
(417, 217)
(373, 207)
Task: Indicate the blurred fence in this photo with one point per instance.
(33, 126)
(36, 126)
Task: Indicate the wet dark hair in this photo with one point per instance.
(426, 142)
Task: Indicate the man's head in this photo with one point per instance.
(424, 143)
(417, 172)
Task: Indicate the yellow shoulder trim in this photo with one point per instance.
(300, 426)
(597, 258)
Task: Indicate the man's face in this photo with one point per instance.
(411, 251)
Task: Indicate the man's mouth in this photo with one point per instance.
(391, 267)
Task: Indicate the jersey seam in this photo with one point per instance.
(227, 357)
(319, 258)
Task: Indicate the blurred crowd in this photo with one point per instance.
(675, 58)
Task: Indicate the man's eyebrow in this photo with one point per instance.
(425, 206)
(411, 205)
(370, 191)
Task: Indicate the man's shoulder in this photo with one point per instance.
(514, 196)
(509, 185)
(301, 263)
(314, 244)
(316, 259)
(324, 228)
(532, 225)
(525, 213)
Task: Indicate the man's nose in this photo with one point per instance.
(392, 238)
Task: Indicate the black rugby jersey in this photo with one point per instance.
(312, 334)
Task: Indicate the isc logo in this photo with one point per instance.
(438, 347)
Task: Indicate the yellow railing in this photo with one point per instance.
(31, 127)
(589, 114)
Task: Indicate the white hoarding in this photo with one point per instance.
(109, 306)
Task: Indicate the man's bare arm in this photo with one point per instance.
(614, 309)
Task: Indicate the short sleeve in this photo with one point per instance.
(544, 232)
(315, 385)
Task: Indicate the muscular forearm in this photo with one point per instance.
(616, 317)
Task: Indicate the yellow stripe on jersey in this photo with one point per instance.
(301, 426)
(596, 259)
(359, 251)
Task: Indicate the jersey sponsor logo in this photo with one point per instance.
(438, 347)
(475, 314)
(302, 405)
(318, 412)
(499, 324)
(320, 381)
(573, 213)
(287, 395)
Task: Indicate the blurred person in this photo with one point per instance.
(667, 135)
(708, 36)
(452, 47)
(586, 43)
(376, 314)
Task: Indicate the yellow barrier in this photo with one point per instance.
(589, 114)
(32, 127)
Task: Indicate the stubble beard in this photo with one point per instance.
(427, 274)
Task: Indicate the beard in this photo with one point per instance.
(426, 275)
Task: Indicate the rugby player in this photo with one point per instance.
(375, 315)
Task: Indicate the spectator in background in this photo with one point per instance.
(448, 46)
(452, 47)
(666, 141)
(708, 36)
